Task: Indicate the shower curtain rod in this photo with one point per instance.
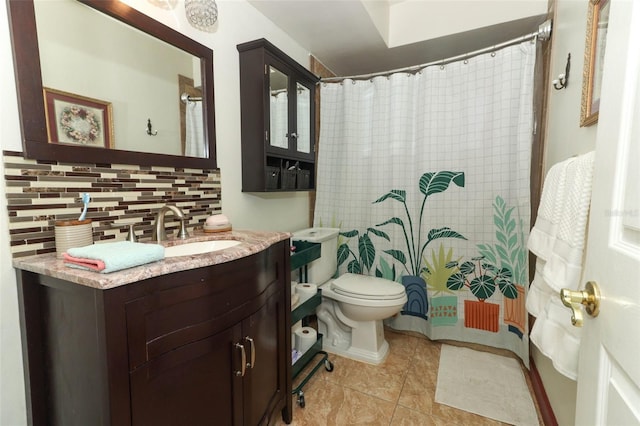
(186, 98)
(543, 33)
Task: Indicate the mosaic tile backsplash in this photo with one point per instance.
(39, 193)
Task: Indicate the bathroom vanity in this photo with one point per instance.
(191, 340)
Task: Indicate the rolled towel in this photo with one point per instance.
(111, 257)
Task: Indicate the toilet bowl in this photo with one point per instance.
(353, 306)
(351, 313)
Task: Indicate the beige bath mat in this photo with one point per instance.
(486, 384)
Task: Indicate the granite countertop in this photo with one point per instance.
(252, 242)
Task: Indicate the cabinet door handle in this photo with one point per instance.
(294, 135)
(253, 352)
(243, 360)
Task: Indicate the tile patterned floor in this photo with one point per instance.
(400, 391)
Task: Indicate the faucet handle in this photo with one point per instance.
(131, 235)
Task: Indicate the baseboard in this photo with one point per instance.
(548, 418)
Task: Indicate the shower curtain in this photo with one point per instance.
(279, 119)
(303, 101)
(195, 145)
(427, 177)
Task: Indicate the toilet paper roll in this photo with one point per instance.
(294, 328)
(306, 291)
(305, 338)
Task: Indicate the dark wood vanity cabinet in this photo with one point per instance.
(208, 346)
(277, 97)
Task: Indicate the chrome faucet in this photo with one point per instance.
(159, 232)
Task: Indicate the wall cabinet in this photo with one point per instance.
(205, 346)
(277, 97)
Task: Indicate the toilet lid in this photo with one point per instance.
(367, 287)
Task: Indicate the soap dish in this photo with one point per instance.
(221, 228)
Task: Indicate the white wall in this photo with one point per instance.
(564, 139)
(12, 400)
(412, 21)
(238, 22)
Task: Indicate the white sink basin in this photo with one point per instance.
(199, 247)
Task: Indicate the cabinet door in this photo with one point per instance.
(265, 382)
(193, 385)
(290, 113)
(305, 121)
(278, 107)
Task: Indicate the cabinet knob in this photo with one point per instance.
(294, 135)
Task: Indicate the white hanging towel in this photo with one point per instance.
(558, 240)
(194, 131)
(543, 235)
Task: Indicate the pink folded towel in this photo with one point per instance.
(90, 264)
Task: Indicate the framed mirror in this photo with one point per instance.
(100, 104)
(595, 44)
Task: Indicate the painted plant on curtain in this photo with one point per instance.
(415, 285)
(501, 266)
(427, 176)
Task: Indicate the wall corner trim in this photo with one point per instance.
(548, 418)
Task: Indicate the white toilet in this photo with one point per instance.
(353, 306)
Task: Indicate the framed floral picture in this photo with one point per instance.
(78, 120)
(595, 43)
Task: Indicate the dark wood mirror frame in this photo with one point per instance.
(35, 141)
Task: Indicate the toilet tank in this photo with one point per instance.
(323, 269)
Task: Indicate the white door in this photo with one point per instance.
(609, 367)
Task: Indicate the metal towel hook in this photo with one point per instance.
(150, 131)
(563, 79)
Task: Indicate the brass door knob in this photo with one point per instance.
(589, 298)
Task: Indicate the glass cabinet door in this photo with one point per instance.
(279, 108)
(303, 111)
